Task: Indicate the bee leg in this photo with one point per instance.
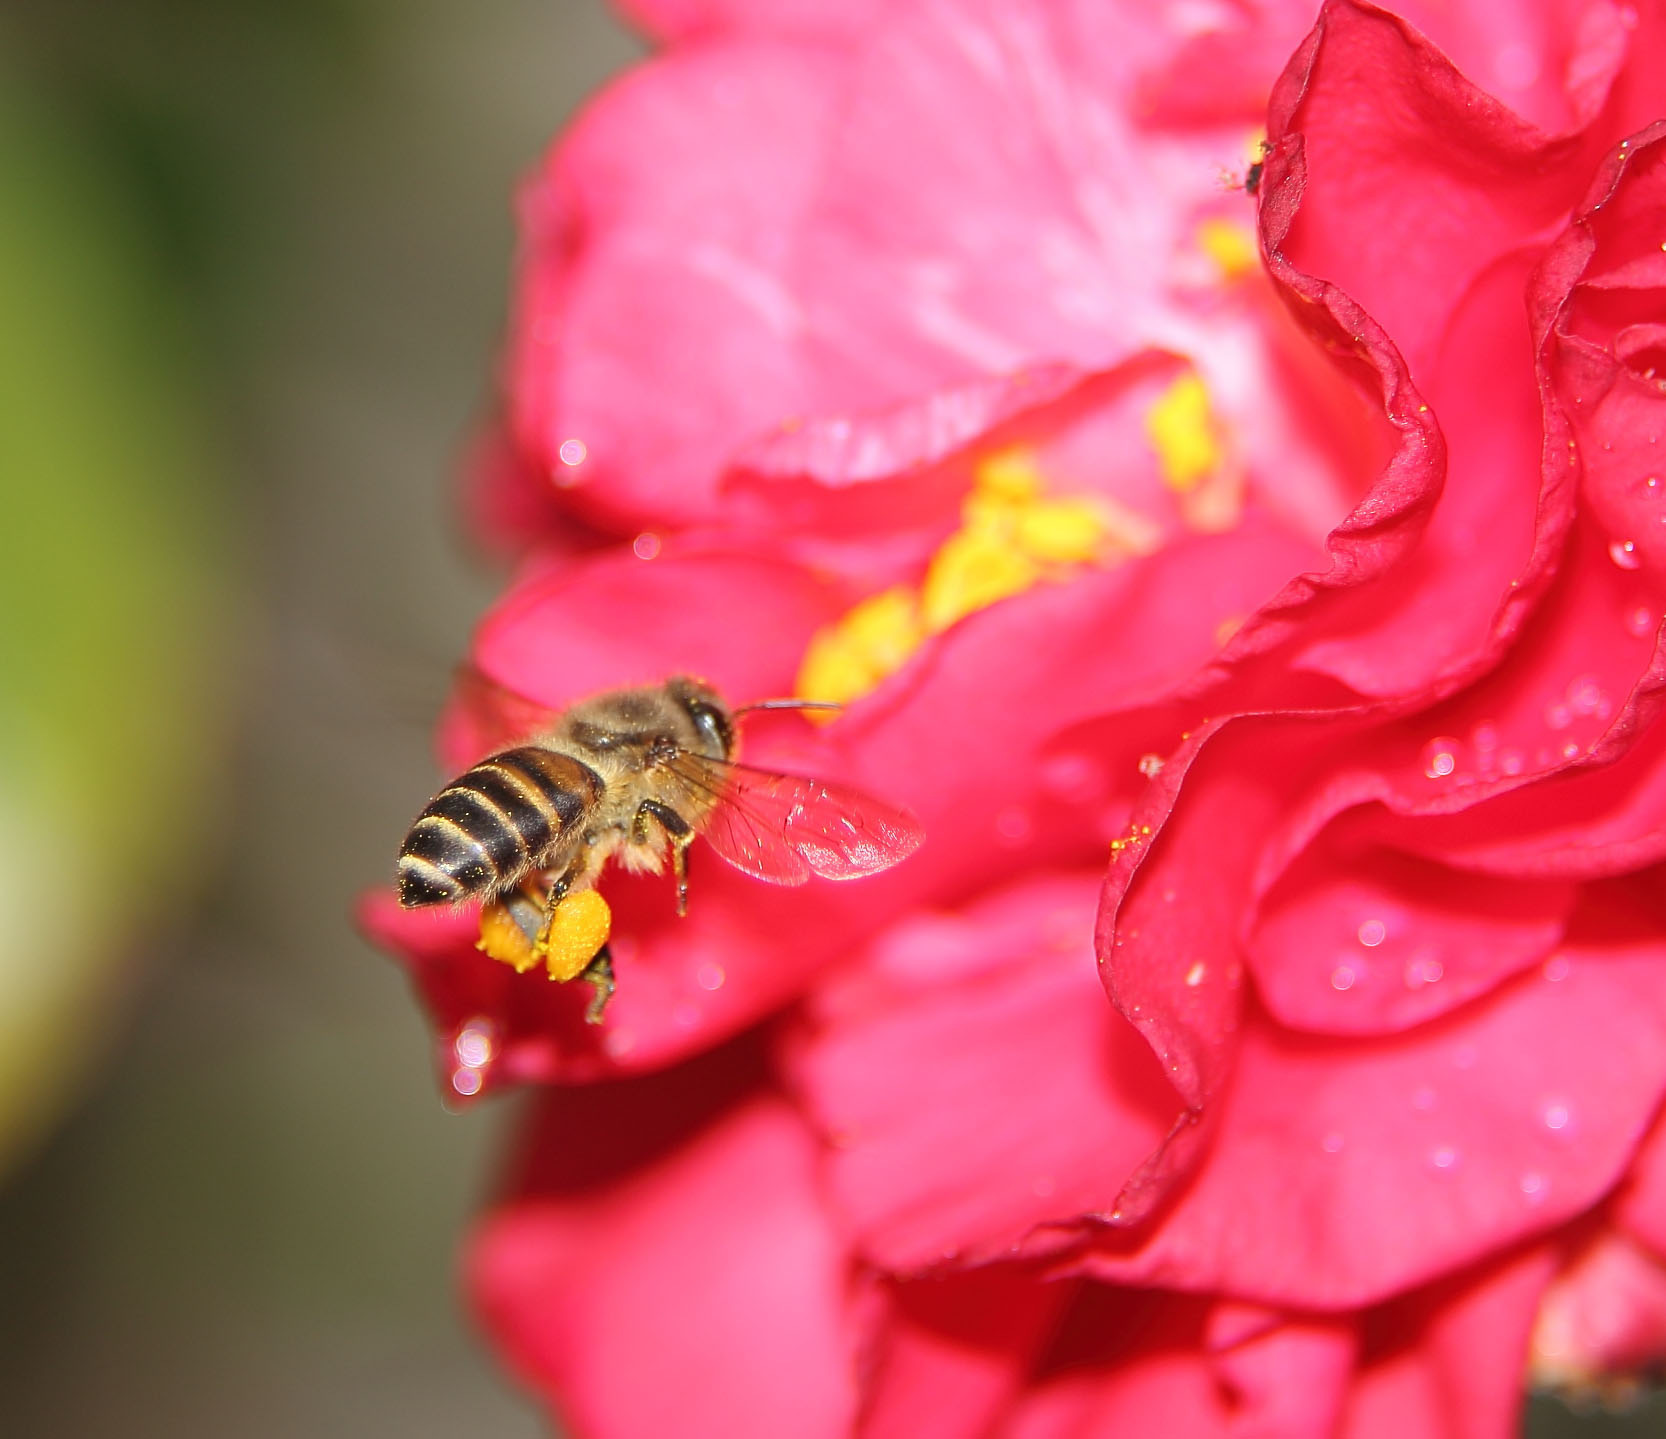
(599, 973)
(681, 834)
(560, 886)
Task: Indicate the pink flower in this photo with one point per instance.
(917, 356)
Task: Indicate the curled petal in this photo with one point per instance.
(1446, 1143)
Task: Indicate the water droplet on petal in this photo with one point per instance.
(474, 1045)
(1557, 969)
(1511, 761)
(1558, 716)
(466, 1080)
(1557, 1116)
(1422, 969)
(1012, 827)
(1533, 1186)
(1072, 777)
(1195, 975)
(1440, 757)
(1372, 933)
(646, 546)
(1624, 554)
(1342, 977)
(619, 1043)
(1587, 697)
(710, 977)
(1444, 1158)
(573, 452)
(1640, 622)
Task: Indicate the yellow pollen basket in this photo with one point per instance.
(502, 938)
(576, 931)
(1011, 537)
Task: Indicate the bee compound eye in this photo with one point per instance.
(712, 724)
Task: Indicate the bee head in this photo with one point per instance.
(713, 720)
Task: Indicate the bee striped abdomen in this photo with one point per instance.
(489, 826)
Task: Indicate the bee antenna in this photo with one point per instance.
(789, 705)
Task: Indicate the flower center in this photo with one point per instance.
(1014, 535)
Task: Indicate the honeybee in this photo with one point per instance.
(633, 775)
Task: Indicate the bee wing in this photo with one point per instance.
(783, 828)
(494, 715)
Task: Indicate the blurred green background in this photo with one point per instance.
(253, 267)
(253, 271)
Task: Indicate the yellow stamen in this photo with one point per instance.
(1182, 431)
(973, 570)
(1230, 245)
(1010, 474)
(848, 658)
(1062, 532)
(1010, 537)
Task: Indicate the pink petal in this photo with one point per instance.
(1411, 608)
(1290, 1376)
(1125, 1361)
(1551, 61)
(1358, 940)
(1640, 1206)
(1132, 1362)
(1416, 182)
(1167, 932)
(1447, 1362)
(737, 237)
(653, 324)
(738, 619)
(1610, 362)
(983, 1019)
(1442, 1144)
(1045, 223)
(699, 1292)
(954, 1351)
(682, 20)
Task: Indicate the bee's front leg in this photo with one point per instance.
(599, 974)
(678, 831)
